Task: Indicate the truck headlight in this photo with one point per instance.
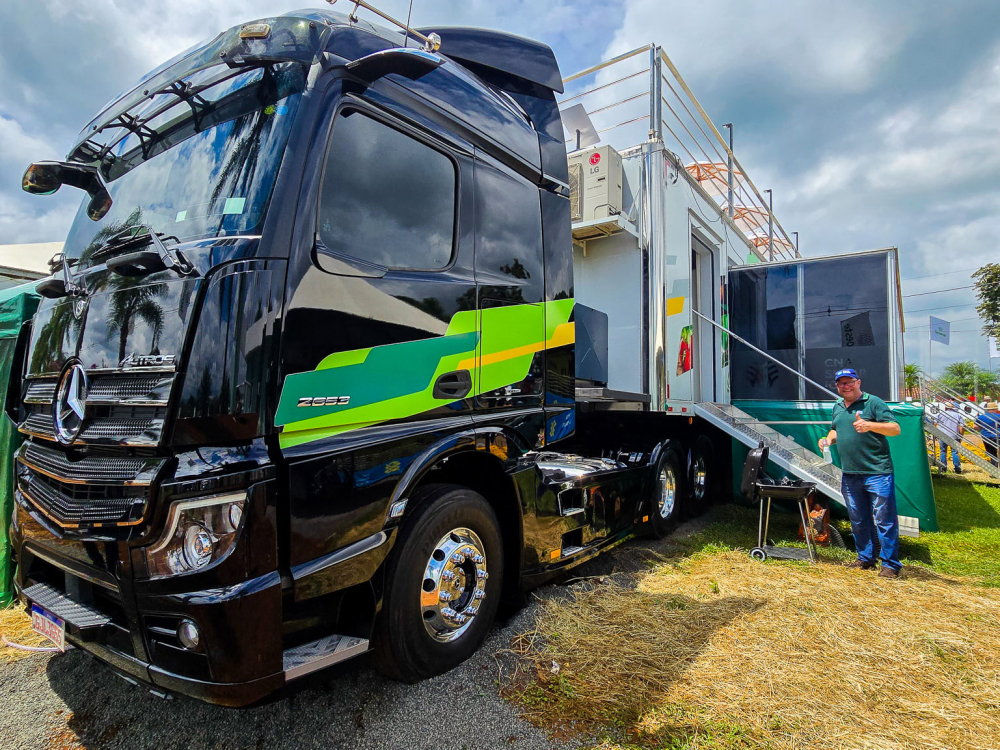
(199, 533)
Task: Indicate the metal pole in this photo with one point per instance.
(729, 167)
(797, 255)
(930, 354)
(770, 225)
(652, 91)
(659, 94)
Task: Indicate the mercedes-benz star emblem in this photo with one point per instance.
(70, 404)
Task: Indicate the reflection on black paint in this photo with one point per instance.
(386, 198)
(131, 300)
(185, 188)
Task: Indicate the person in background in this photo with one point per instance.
(988, 425)
(953, 425)
(861, 424)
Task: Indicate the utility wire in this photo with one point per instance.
(941, 307)
(946, 273)
(938, 291)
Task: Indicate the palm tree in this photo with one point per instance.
(911, 379)
(968, 378)
(133, 298)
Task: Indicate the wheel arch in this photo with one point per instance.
(480, 461)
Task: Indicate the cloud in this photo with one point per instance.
(829, 47)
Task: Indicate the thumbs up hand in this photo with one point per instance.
(861, 425)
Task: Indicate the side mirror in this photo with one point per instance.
(406, 61)
(46, 177)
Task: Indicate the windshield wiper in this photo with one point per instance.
(53, 287)
(128, 253)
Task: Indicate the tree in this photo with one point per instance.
(987, 287)
(911, 378)
(968, 378)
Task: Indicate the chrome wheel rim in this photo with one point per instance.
(700, 477)
(453, 585)
(666, 494)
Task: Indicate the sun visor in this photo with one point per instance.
(506, 53)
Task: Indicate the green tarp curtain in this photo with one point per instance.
(806, 422)
(17, 304)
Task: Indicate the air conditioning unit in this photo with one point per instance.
(595, 184)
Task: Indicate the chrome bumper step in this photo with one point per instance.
(74, 613)
(310, 657)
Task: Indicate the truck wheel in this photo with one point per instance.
(443, 583)
(704, 475)
(668, 489)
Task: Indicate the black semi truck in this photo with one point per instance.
(303, 381)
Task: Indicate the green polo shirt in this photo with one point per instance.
(868, 452)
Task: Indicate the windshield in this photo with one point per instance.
(198, 167)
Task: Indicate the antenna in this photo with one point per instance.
(432, 42)
(577, 123)
(409, 12)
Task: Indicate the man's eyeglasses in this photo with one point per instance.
(848, 384)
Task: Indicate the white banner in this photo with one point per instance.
(994, 349)
(940, 330)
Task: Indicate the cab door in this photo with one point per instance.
(510, 282)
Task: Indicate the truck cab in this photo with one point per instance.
(302, 384)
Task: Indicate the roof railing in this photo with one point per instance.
(677, 118)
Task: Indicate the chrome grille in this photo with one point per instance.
(83, 506)
(40, 392)
(122, 409)
(116, 389)
(104, 469)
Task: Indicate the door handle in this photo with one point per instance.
(453, 385)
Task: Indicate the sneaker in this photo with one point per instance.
(887, 572)
(861, 565)
(958, 470)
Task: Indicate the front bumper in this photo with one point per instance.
(131, 627)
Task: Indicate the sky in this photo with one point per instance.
(875, 123)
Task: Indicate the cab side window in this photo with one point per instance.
(386, 198)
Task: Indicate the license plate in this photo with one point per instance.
(47, 624)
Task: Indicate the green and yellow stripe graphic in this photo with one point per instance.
(396, 381)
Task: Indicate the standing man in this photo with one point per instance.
(989, 429)
(861, 424)
(951, 423)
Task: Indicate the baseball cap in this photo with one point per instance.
(848, 372)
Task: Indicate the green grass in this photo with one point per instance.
(968, 543)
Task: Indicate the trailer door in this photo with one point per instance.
(704, 299)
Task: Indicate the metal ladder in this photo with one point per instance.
(934, 392)
(783, 451)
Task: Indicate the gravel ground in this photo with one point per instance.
(71, 701)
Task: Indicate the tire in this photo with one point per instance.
(704, 476)
(758, 554)
(419, 633)
(667, 491)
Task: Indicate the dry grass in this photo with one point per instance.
(718, 651)
(15, 626)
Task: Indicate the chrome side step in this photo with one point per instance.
(570, 551)
(310, 657)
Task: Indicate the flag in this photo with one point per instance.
(940, 330)
(994, 349)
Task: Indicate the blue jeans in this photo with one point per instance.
(868, 496)
(955, 462)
